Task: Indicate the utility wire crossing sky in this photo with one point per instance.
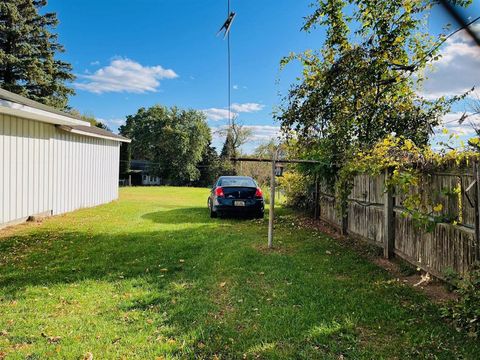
(137, 54)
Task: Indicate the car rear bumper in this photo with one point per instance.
(228, 206)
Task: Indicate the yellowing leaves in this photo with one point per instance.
(399, 39)
(412, 165)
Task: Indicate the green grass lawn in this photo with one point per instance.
(152, 276)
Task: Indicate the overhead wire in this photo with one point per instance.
(229, 73)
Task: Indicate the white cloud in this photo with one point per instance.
(457, 71)
(217, 114)
(95, 63)
(260, 133)
(264, 132)
(247, 107)
(113, 124)
(125, 75)
(450, 122)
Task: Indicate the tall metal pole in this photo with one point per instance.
(272, 202)
(229, 76)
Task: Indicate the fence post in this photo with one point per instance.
(344, 219)
(476, 176)
(316, 200)
(345, 224)
(389, 221)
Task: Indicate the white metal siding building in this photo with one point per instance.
(51, 162)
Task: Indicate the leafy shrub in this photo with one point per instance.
(465, 312)
(452, 278)
(296, 189)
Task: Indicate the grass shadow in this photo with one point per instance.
(191, 215)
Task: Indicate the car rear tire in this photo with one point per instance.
(260, 215)
(213, 214)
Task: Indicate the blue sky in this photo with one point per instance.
(132, 54)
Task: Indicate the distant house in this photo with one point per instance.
(52, 162)
(141, 174)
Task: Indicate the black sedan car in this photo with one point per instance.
(236, 195)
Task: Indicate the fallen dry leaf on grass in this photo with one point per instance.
(222, 284)
(54, 339)
(88, 356)
(425, 279)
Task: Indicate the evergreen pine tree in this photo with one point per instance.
(228, 151)
(209, 167)
(28, 47)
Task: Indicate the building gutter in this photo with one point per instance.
(31, 113)
(85, 133)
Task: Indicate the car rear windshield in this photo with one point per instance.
(237, 182)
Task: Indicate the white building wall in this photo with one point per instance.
(46, 170)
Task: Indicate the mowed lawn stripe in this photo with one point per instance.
(152, 276)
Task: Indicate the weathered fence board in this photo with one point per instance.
(328, 210)
(366, 221)
(447, 247)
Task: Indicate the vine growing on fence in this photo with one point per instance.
(410, 168)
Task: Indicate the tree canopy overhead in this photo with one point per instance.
(363, 84)
(29, 65)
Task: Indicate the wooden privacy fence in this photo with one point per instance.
(377, 216)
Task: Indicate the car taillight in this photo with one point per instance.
(219, 192)
(258, 193)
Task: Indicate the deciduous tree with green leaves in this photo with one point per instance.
(364, 83)
(29, 65)
(174, 140)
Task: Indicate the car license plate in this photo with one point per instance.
(239, 203)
